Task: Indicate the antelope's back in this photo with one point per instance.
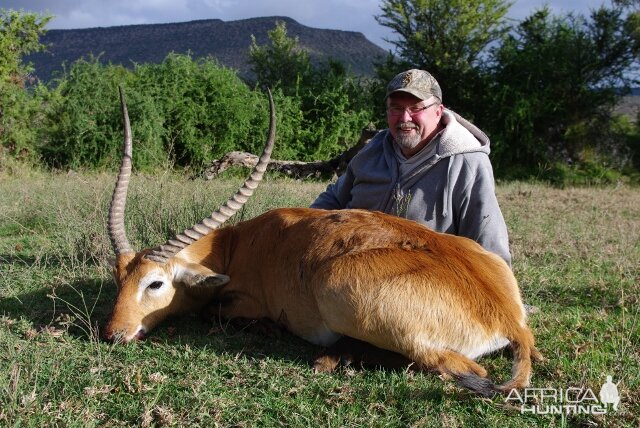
(302, 250)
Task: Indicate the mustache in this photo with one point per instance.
(406, 125)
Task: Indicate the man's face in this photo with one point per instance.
(413, 131)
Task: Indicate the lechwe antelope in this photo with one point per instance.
(440, 300)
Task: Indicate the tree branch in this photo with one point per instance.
(295, 169)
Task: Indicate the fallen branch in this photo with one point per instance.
(295, 169)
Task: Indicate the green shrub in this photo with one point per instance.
(335, 109)
(187, 112)
(19, 108)
(182, 113)
(207, 110)
(83, 125)
(330, 106)
(20, 119)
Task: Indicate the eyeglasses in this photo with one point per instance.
(413, 110)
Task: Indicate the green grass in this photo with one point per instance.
(576, 254)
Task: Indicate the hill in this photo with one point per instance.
(227, 41)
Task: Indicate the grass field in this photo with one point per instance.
(576, 255)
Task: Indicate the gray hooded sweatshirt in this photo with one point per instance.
(447, 186)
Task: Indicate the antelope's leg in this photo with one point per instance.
(448, 363)
(348, 350)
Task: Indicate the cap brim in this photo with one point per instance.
(418, 94)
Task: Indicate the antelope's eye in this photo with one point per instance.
(155, 285)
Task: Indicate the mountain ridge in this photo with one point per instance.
(227, 41)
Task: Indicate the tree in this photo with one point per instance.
(282, 64)
(329, 106)
(446, 37)
(19, 36)
(554, 83)
(183, 112)
(544, 91)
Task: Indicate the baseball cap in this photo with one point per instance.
(418, 83)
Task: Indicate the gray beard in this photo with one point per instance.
(408, 141)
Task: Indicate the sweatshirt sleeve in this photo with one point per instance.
(337, 195)
(479, 216)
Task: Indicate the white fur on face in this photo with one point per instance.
(156, 275)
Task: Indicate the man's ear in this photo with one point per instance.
(195, 275)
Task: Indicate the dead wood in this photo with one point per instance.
(294, 169)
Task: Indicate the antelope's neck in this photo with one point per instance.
(212, 250)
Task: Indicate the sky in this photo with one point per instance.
(351, 15)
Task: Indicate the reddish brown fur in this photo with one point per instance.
(378, 278)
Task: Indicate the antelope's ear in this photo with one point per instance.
(119, 265)
(120, 261)
(195, 275)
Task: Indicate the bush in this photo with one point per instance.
(183, 113)
(187, 112)
(335, 108)
(332, 105)
(83, 125)
(586, 173)
(20, 119)
(19, 109)
(553, 88)
(207, 110)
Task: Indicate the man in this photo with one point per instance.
(431, 166)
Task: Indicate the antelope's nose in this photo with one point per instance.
(141, 334)
(113, 336)
(120, 336)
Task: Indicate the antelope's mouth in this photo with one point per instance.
(120, 336)
(140, 335)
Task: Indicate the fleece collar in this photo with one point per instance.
(460, 136)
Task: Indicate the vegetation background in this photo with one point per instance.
(545, 91)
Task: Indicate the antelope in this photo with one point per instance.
(438, 300)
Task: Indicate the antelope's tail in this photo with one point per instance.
(524, 351)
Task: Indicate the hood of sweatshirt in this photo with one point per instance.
(460, 136)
